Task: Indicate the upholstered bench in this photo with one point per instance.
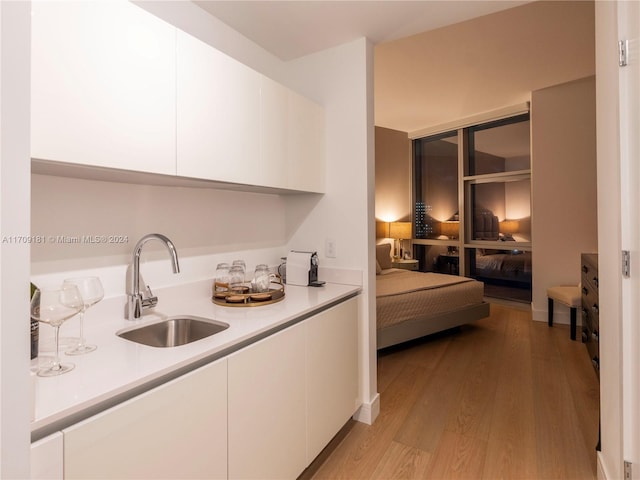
(568, 295)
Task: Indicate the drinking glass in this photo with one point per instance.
(92, 292)
(221, 278)
(240, 263)
(236, 277)
(55, 307)
(262, 278)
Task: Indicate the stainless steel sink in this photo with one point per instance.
(173, 331)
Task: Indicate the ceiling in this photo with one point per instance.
(291, 29)
(434, 61)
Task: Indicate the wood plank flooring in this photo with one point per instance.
(503, 398)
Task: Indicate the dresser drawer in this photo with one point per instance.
(589, 272)
(590, 302)
(590, 328)
(590, 308)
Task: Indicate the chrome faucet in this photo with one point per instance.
(136, 302)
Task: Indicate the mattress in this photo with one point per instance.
(404, 295)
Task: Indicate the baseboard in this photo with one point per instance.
(368, 412)
(601, 470)
(561, 315)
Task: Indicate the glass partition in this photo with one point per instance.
(483, 232)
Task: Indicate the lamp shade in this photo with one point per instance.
(450, 228)
(382, 229)
(509, 226)
(400, 230)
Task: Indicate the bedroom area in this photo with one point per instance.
(485, 151)
(485, 197)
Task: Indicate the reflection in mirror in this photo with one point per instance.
(501, 146)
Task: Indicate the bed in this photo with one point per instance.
(411, 304)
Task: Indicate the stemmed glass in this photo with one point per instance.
(55, 307)
(92, 292)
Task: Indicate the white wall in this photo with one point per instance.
(199, 221)
(564, 210)
(341, 78)
(15, 393)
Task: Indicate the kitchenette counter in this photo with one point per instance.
(120, 369)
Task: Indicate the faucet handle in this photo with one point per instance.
(148, 299)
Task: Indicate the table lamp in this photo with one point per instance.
(399, 231)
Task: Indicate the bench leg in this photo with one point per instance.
(573, 323)
(550, 310)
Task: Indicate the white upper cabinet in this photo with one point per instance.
(274, 124)
(291, 139)
(103, 86)
(305, 146)
(218, 115)
(114, 86)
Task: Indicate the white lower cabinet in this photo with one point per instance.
(265, 411)
(290, 393)
(267, 407)
(177, 430)
(332, 373)
(47, 458)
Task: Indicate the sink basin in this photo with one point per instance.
(174, 331)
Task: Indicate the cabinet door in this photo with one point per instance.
(274, 126)
(291, 140)
(177, 430)
(267, 407)
(332, 373)
(218, 114)
(102, 86)
(46, 458)
(306, 145)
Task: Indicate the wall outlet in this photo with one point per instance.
(330, 248)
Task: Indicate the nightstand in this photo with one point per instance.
(450, 260)
(405, 264)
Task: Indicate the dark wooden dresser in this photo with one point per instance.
(590, 309)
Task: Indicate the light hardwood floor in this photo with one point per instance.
(503, 398)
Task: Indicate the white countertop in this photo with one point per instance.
(119, 367)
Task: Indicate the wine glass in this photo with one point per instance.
(55, 307)
(92, 292)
